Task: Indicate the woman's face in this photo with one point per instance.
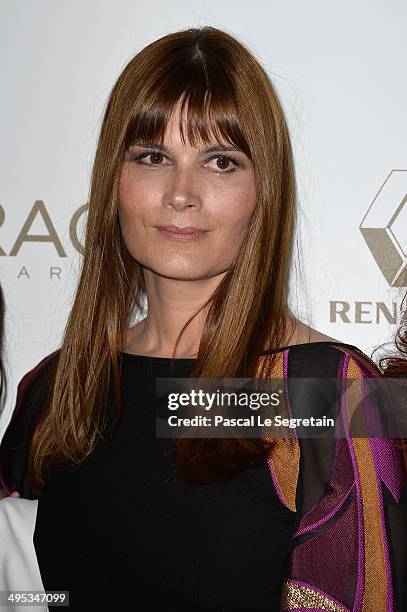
(184, 186)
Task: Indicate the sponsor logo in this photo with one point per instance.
(39, 210)
(384, 228)
(39, 216)
(341, 311)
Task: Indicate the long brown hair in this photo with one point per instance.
(227, 94)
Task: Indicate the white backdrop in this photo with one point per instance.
(340, 70)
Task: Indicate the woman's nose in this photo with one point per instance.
(183, 191)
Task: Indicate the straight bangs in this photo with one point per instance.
(207, 98)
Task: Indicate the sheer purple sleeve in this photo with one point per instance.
(349, 551)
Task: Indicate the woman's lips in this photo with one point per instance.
(172, 233)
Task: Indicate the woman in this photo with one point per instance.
(194, 136)
(18, 564)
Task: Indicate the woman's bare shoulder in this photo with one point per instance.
(300, 333)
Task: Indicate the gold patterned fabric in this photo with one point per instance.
(295, 595)
(375, 590)
(284, 457)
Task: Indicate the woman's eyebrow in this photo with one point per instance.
(218, 147)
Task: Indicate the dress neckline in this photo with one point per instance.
(180, 360)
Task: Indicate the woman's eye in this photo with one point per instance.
(156, 157)
(223, 163)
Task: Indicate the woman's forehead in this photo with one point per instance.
(187, 124)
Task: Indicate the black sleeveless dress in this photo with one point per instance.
(123, 532)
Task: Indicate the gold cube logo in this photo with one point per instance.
(384, 228)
